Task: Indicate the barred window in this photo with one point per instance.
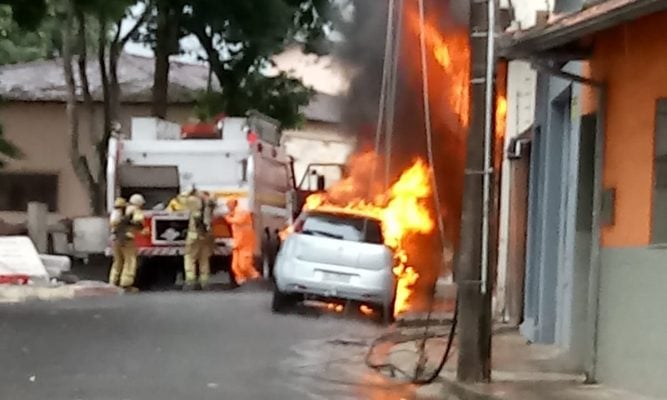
(17, 189)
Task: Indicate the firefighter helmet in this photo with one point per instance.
(137, 200)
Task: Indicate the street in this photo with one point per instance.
(172, 345)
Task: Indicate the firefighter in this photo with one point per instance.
(118, 225)
(135, 222)
(199, 242)
(243, 235)
(178, 203)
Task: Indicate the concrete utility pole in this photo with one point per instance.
(474, 285)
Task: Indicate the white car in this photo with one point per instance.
(337, 255)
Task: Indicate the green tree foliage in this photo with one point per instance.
(16, 15)
(7, 149)
(18, 44)
(239, 39)
(28, 14)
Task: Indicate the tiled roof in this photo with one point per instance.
(43, 81)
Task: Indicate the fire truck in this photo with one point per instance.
(233, 156)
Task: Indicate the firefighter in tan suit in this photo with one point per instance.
(178, 203)
(199, 243)
(135, 221)
(118, 225)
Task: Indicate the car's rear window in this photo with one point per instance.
(343, 227)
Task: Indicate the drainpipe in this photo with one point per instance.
(593, 304)
(488, 142)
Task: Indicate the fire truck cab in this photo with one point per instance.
(234, 156)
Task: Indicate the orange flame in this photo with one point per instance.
(501, 116)
(364, 309)
(402, 210)
(452, 53)
(335, 307)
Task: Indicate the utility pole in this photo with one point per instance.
(474, 285)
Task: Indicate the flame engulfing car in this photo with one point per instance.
(335, 254)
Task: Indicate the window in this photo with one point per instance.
(244, 170)
(343, 227)
(19, 189)
(659, 223)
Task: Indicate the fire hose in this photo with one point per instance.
(417, 377)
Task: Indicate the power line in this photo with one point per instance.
(427, 123)
(383, 88)
(391, 101)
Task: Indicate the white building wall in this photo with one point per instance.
(525, 11)
(521, 85)
(318, 143)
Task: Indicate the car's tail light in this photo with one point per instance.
(252, 137)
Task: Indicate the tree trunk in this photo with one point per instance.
(79, 161)
(162, 51)
(104, 77)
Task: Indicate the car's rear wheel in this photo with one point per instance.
(283, 301)
(387, 313)
(267, 268)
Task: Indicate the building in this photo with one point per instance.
(33, 117)
(596, 227)
(320, 141)
(521, 87)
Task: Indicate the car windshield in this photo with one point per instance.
(344, 227)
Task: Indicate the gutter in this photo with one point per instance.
(593, 303)
(515, 148)
(589, 21)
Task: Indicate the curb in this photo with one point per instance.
(13, 294)
(83, 291)
(453, 390)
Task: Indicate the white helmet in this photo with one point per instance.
(137, 200)
(190, 189)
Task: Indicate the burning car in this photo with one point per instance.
(334, 253)
(348, 239)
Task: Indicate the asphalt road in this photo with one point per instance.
(220, 345)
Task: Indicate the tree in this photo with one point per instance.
(28, 14)
(7, 149)
(164, 30)
(14, 15)
(239, 39)
(19, 44)
(105, 17)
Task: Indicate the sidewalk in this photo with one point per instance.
(521, 371)
(49, 292)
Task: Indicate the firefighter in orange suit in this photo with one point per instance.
(243, 235)
(199, 243)
(134, 218)
(118, 225)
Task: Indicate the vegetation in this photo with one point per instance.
(238, 38)
(7, 149)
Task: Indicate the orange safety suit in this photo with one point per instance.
(243, 235)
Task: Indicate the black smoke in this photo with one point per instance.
(363, 52)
